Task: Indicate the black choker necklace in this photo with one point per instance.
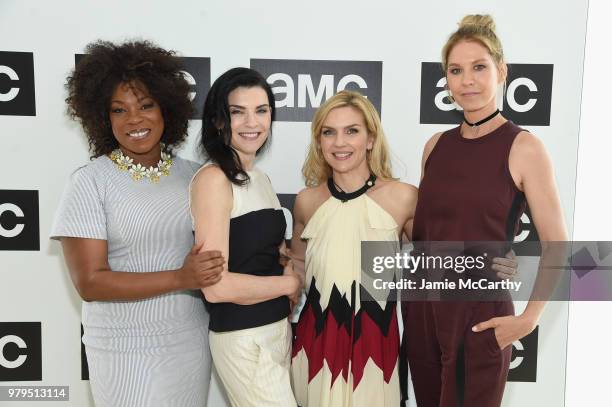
(483, 121)
(339, 194)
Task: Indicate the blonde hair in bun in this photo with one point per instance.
(479, 28)
(478, 22)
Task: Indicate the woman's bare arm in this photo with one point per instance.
(211, 198)
(87, 261)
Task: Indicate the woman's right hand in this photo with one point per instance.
(200, 270)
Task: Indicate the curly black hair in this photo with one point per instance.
(106, 65)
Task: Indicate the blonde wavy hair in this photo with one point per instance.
(479, 28)
(316, 170)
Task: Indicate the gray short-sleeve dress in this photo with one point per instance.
(151, 352)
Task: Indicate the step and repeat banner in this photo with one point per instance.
(307, 51)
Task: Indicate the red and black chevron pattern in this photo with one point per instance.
(343, 338)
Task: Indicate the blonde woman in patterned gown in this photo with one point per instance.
(346, 347)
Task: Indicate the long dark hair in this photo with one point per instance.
(216, 121)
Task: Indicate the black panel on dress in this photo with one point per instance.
(253, 249)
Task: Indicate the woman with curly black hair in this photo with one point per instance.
(126, 232)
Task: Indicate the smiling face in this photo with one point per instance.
(473, 77)
(344, 140)
(251, 117)
(137, 122)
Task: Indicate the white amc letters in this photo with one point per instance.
(190, 80)
(12, 92)
(521, 237)
(305, 88)
(20, 344)
(9, 207)
(516, 362)
(509, 94)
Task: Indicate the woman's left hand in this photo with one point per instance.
(507, 329)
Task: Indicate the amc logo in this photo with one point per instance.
(287, 201)
(526, 101)
(526, 239)
(19, 225)
(20, 351)
(524, 363)
(301, 86)
(197, 73)
(17, 96)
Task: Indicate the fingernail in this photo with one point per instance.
(474, 329)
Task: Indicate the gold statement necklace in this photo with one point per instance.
(138, 171)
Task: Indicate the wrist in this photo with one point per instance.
(533, 311)
(290, 285)
(177, 280)
(530, 318)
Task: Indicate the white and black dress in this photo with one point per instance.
(251, 344)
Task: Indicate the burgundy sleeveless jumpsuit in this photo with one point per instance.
(467, 194)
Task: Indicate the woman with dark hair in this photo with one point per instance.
(250, 336)
(126, 234)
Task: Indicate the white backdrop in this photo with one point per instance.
(589, 330)
(39, 152)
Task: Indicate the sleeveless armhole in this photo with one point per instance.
(310, 229)
(432, 151)
(272, 192)
(312, 225)
(236, 201)
(507, 166)
(378, 217)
